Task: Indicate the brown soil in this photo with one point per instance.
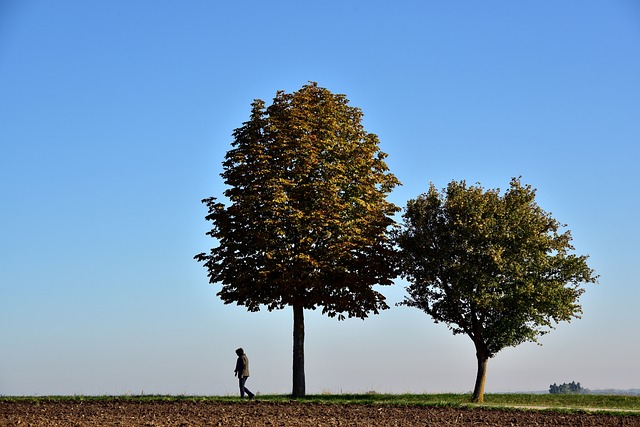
(126, 413)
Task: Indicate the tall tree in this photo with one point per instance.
(307, 224)
(494, 267)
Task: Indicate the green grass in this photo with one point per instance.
(500, 400)
(566, 402)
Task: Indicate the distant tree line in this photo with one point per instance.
(565, 388)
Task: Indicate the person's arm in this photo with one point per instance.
(239, 367)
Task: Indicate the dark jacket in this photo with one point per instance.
(242, 366)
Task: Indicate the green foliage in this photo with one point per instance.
(567, 388)
(490, 266)
(308, 221)
(494, 267)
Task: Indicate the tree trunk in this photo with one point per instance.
(478, 390)
(298, 352)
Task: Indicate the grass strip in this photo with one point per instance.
(609, 403)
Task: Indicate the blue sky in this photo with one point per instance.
(114, 120)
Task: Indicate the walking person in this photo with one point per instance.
(242, 372)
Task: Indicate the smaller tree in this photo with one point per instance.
(491, 266)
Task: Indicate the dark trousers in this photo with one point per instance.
(243, 389)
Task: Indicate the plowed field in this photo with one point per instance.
(126, 413)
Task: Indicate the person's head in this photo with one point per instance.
(240, 352)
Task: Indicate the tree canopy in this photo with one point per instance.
(307, 224)
(494, 267)
(567, 388)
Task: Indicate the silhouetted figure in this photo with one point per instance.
(242, 372)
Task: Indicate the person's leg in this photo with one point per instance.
(246, 389)
(242, 388)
